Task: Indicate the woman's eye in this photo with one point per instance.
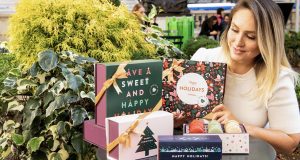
(251, 37)
(234, 30)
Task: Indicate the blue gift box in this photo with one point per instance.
(190, 147)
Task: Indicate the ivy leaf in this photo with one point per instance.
(41, 89)
(29, 116)
(74, 82)
(15, 72)
(57, 103)
(14, 106)
(48, 98)
(34, 69)
(90, 95)
(48, 60)
(78, 144)
(34, 143)
(10, 82)
(33, 103)
(71, 97)
(57, 88)
(18, 139)
(78, 115)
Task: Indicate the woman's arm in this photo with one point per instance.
(282, 142)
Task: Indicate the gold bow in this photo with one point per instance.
(119, 74)
(175, 66)
(125, 138)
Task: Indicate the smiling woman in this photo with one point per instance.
(259, 75)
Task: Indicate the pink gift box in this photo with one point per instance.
(94, 133)
(144, 143)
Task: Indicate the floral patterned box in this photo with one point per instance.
(231, 143)
(192, 88)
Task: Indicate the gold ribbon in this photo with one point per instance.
(125, 138)
(119, 74)
(175, 66)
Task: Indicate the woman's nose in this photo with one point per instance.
(239, 40)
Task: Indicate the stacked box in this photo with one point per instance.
(140, 91)
(232, 143)
(143, 143)
(192, 88)
(94, 133)
(190, 147)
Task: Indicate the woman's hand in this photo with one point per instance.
(179, 119)
(222, 114)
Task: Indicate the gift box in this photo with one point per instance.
(132, 87)
(232, 143)
(190, 147)
(192, 88)
(94, 133)
(140, 142)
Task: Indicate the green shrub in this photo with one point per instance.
(164, 48)
(94, 28)
(7, 62)
(44, 107)
(195, 43)
(292, 48)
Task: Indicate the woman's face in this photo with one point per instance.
(141, 11)
(242, 37)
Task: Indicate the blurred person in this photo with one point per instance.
(139, 11)
(210, 28)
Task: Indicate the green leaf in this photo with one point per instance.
(18, 139)
(10, 82)
(34, 143)
(61, 128)
(78, 144)
(71, 97)
(48, 60)
(14, 106)
(33, 103)
(57, 88)
(41, 89)
(48, 98)
(15, 72)
(57, 103)
(74, 82)
(29, 116)
(34, 69)
(90, 95)
(78, 115)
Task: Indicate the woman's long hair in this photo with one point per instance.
(270, 37)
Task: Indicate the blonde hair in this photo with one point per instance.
(270, 38)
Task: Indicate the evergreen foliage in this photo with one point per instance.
(43, 109)
(94, 28)
(195, 43)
